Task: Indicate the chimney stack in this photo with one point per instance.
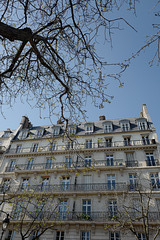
(102, 117)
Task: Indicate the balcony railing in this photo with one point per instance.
(80, 216)
(152, 162)
(66, 165)
(133, 163)
(77, 146)
(100, 187)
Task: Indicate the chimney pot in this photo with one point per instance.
(102, 117)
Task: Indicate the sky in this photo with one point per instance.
(141, 82)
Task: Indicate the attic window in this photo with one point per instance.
(72, 129)
(40, 132)
(107, 126)
(125, 125)
(142, 124)
(56, 130)
(89, 128)
(6, 134)
(23, 134)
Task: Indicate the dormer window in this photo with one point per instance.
(89, 127)
(107, 126)
(142, 124)
(56, 130)
(6, 134)
(72, 129)
(23, 134)
(40, 132)
(125, 125)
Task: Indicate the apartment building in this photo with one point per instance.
(98, 180)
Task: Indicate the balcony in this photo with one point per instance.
(78, 147)
(92, 187)
(67, 165)
(80, 216)
(152, 162)
(133, 163)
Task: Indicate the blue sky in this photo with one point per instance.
(141, 82)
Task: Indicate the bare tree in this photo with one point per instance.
(48, 53)
(137, 212)
(31, 214)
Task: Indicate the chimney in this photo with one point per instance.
(25, 123)
(60, 121)
(102, 117)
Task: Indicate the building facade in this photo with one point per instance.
(97, 181)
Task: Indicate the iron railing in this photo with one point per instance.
(79, 146)
(81, 216)
(65, 165)
(65, 188)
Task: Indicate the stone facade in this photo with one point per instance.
(93, 177)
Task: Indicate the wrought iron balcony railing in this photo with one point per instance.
(82, 164)
(66, 165)
(79, 146)
(81, 216)
(100, 187)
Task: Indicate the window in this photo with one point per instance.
(52, 146)
(56, 130)
(89, 128)
(35, 147)
(30, 164)
(69, 145)
(68, 162)
(109, 142)
(23, 134)
(48, 163)
(141, 236)
(142, 125)
(108, 128)
(89, 143)
(11, 235)
(63, 209)
(40, 132)
(145, 140)
(87, 161)
(155, 180)
(87, 182)
(5, 185)
(6, 134)
(24, 184)
(18, 149)
(86, 208)
(150, 161)
(85, 236)
(12, 166)
(114, 236)
(65, 183)
(109, 160)
(35, 234)
(111, 183)
(72, 130)
(45, 184)
(133, 181)
(59, 235)
(130, 160)
(17, 210)
(137, 208)
(127, 141)
(125, 127)
(39, 209)
(112, 208)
